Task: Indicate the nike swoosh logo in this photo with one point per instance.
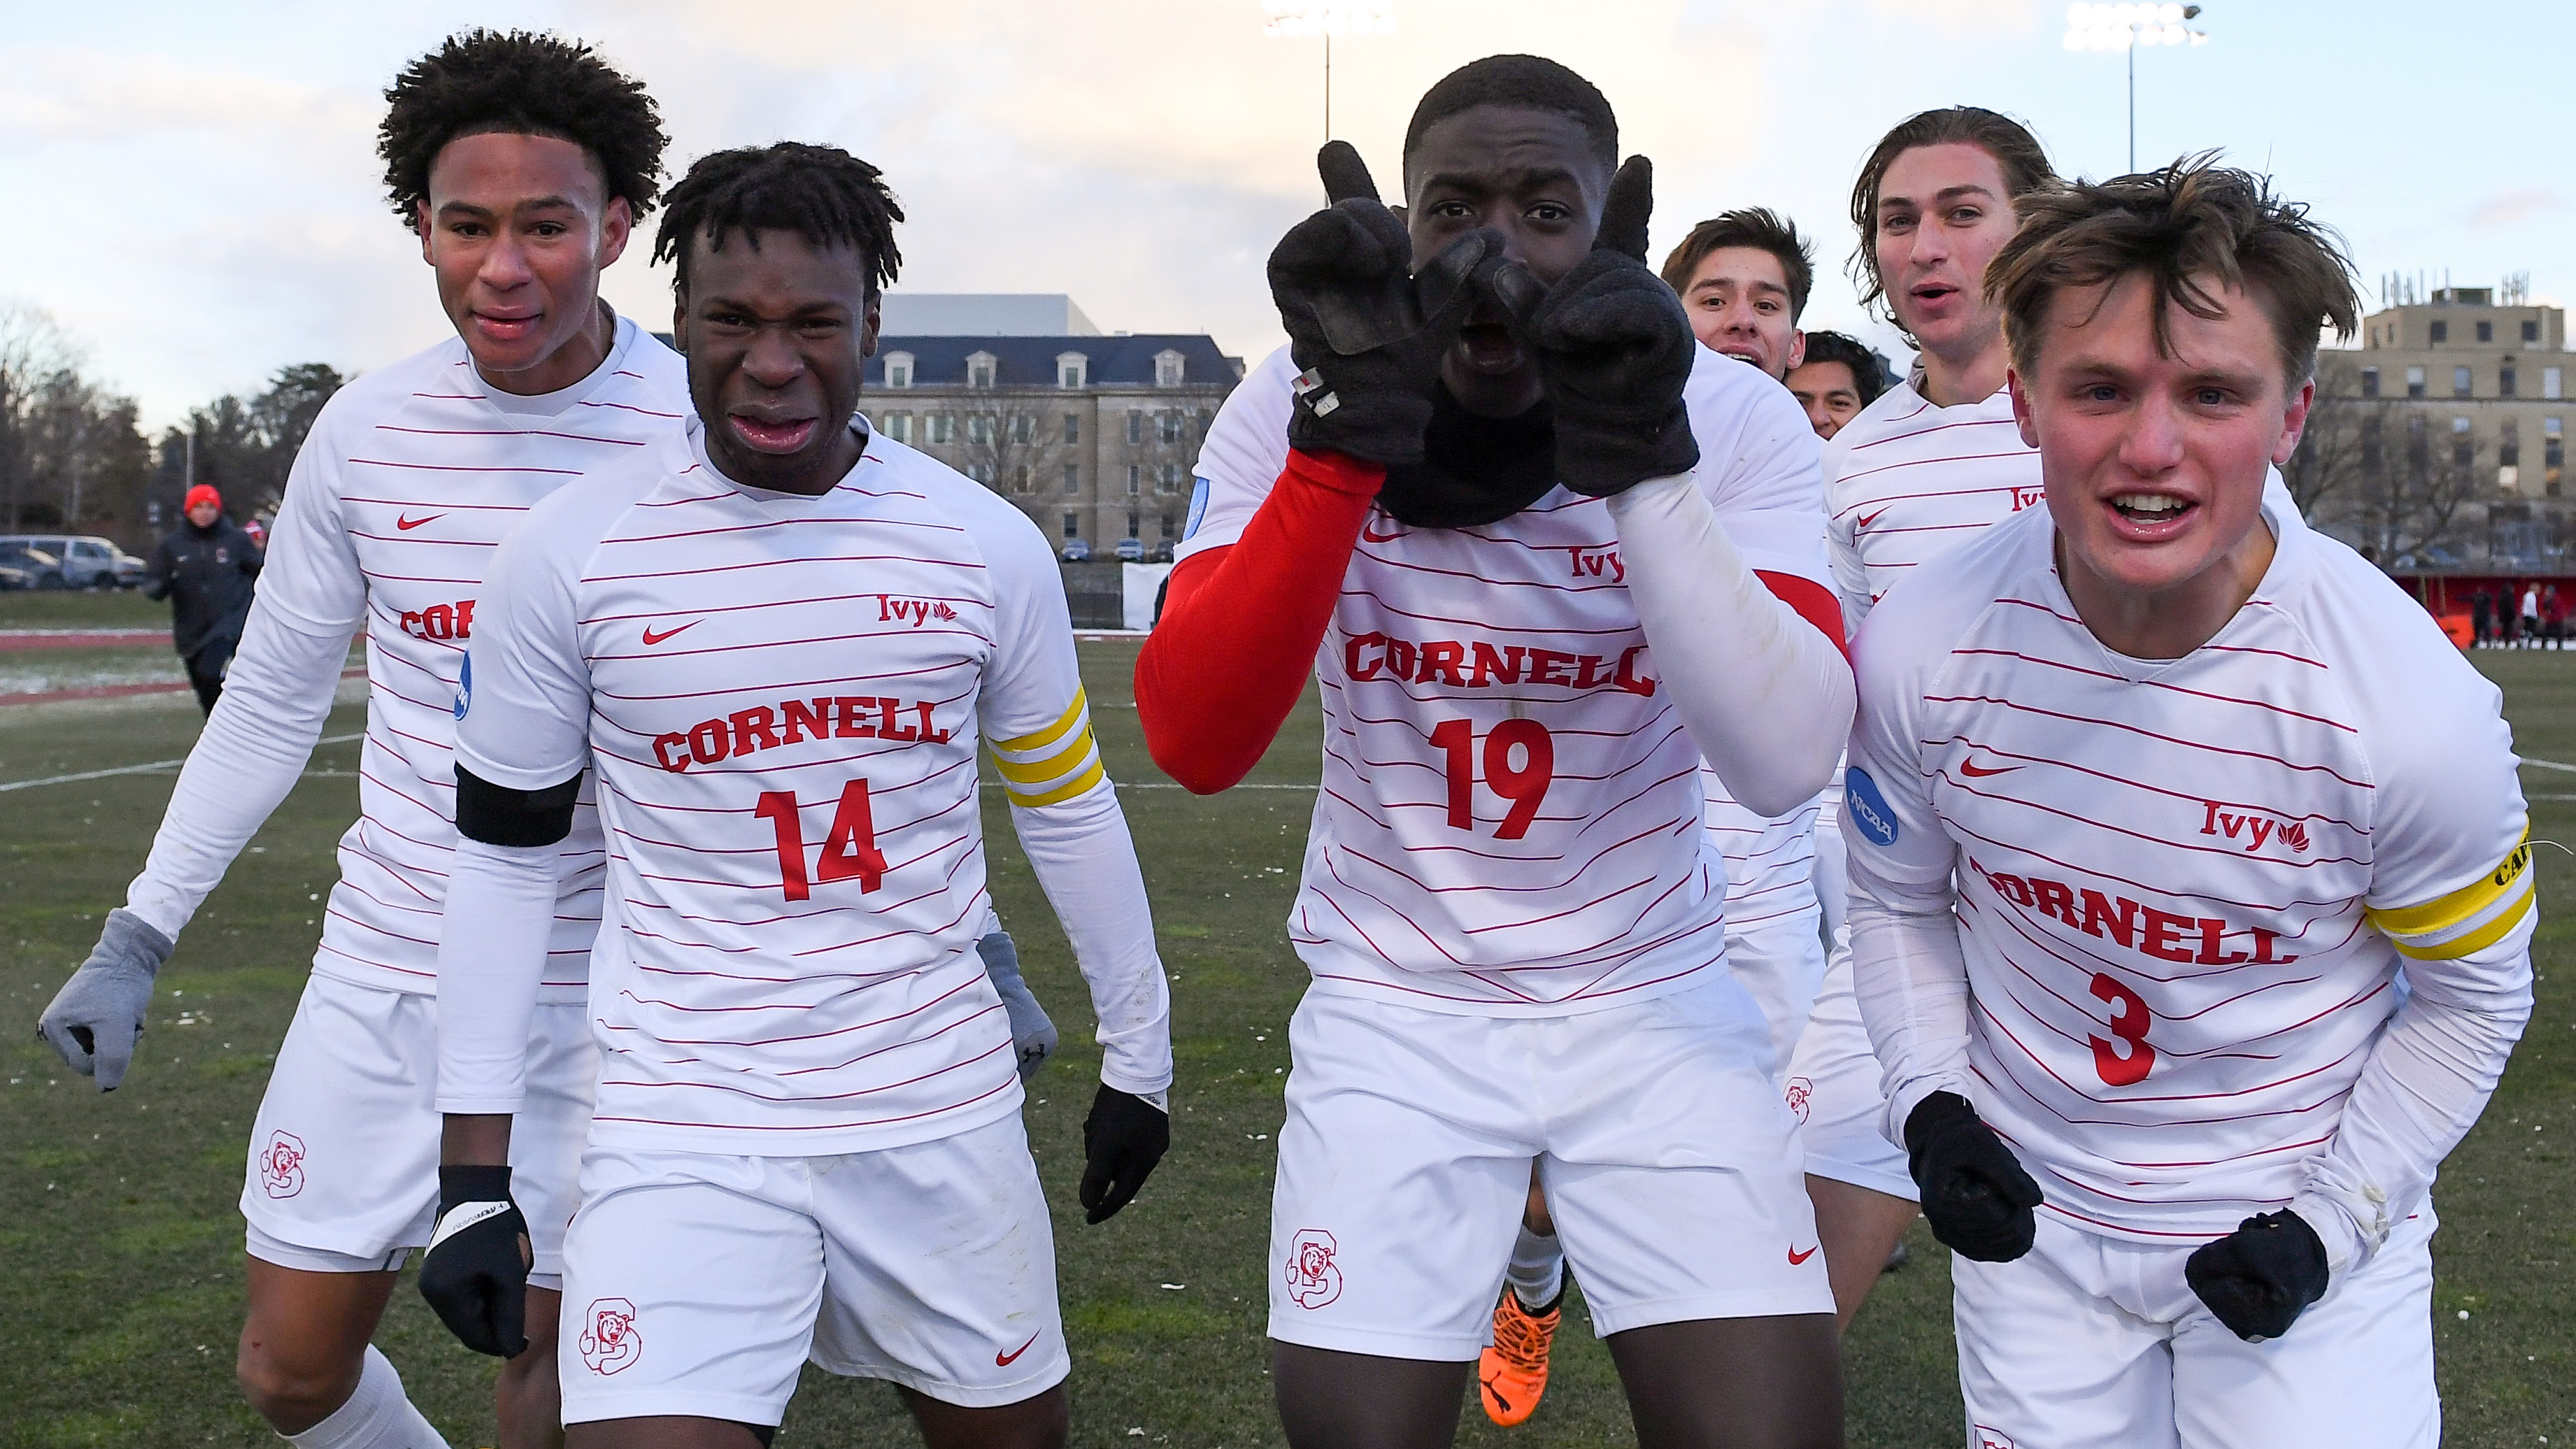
(408, 524)
(1796, 1258)
(651, 638)
(1003, 1360)
(1969, 768)
(1373, 536)
(1866, 520)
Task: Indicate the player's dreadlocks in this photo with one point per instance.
(821, 193)
(521, 83)
(1528, 82)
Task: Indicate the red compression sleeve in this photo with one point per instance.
(1814, 602)
(1241, 624)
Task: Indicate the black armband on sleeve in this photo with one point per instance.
(499, 815)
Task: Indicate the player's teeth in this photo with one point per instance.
(2147, 503)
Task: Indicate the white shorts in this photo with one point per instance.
(699, 1284)
(343, 1173)
(1781, 963)
(2089, 1342)
(1835, 1087)
(1671, 1168)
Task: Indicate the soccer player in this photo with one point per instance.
(781, 656)
(521, 161)
(2152, 793)
(1544, 552)
(1835, 380)
(1743, 279)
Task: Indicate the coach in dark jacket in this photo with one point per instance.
(204, 567)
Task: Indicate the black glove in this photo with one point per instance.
(1614, 349)
(2258, 1279)
(1122, 1139)
(1366, 332)
(1975, 1194)
(475, 1273)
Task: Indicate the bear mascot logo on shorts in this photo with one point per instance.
(609, 1341)
(281, 1164)
(1796, 1095)
(1313, 1280)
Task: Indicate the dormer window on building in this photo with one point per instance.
(1168, 368)
(1072, 370)
(898, 369)
(979, 369)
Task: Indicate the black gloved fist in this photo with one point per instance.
(475, 1273)
(1122, 1139)
(2258, 1279)
(1975, 1194)
(1614, 350)
(1366, 331)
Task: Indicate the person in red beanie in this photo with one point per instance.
(204, 567)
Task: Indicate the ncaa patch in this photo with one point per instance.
(1198, 508)
(465, 686)
(1864, 807)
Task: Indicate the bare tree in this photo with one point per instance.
(2370, 470)
(1016, 444)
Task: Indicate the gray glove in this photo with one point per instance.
(1032, 1035)
(99, 1012)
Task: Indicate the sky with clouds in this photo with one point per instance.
(198, 202)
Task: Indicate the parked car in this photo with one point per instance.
(1077, 551)
(1132, 549)
(39, 569)
(80, 562)
(1159, 553)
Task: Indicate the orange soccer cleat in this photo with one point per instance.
(1512, 1374)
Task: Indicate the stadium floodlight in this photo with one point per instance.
(1295, 19)
(2126, 27)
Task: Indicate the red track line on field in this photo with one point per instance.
(119, 691)
(13, 641)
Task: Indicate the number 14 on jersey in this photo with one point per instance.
(849, 850)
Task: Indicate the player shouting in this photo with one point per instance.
(1528, 532)
(2152, 792)
(522, 161)
(781, 657)
(1743, 279)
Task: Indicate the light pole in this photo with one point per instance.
(2126, 27)
(1328, 18)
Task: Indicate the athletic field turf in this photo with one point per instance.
(120, 1251)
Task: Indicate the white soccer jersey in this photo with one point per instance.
(782, 697)
(1905, 481)
(1770, 863)
(410, 478)
(1510, 817)
(2178, 881)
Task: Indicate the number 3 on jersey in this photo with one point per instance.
(1524, 786)
(2129, 1017)
(850, 850)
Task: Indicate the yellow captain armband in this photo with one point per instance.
(2469, 919)
(1048, 766)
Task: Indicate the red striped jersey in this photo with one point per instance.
(410, 478)
(1905, 481)
(781, 699)
(1510, 814)
(1770, 863)
(2183, 886)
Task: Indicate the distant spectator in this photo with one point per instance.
(2530, 629)
(2482, 618)
(205, 568)
(258, 532)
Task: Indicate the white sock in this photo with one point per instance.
(1537, 1273)
(377, 1416)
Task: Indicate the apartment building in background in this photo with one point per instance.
(2447, 432)
(1092, 435)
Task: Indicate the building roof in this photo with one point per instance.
(1030, 361)
(985, 314)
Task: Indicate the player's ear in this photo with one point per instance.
(2294, 422)
(2022, 419)
(869, 322)
(680, 322)
(616, 225)
(1797, 353)
(420, 224)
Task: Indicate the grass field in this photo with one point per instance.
(121, 1297)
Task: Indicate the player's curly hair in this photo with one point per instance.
(1758, 227)
(821, 193)
(1528, 82)
(521, 83)
(2194, 228)
(2017, 153)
